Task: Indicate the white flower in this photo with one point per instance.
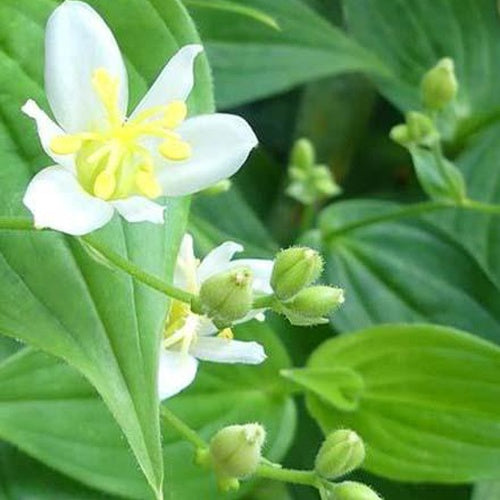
(105, 162)
(188, 336)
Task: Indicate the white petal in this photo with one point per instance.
(140, 209)
(222, 350)
(261, 270)
(47, 130)
(78, 42)
(176, 372)
(186, 265)
(58, 202)
(218, 260)
(220, 145)
(175, 81)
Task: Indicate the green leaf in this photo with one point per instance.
(410, 39)
(50, 412)
(250, 61)
(430, 405)
(53, 295)
(22, 477)
(243, 10)
(405, 270)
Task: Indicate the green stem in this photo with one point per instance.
(183, 429)
(263, 302)
(413, 210)
(308, 478)
(136, 272)
(308, 216)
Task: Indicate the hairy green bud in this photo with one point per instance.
(303, 154)
(294, 269)
(341, 452)
(316, 301)
(227, 297)
(351, 490)
(419, 129)
(439, 85)
(236, 451)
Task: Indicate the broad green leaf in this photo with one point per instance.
(22, 478)
(480, 232)
(430, 404)
(411, 37)
(53, 295)
(251, 61)
(49, 411)
(405, 270)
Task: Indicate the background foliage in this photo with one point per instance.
(423, 394)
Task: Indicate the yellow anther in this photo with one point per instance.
(104, 185)
(227, 333)
(175, 114)
(148, 184)
(175, 149)
(65, 144)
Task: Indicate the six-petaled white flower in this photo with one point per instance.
(189, 336)
(106, 162)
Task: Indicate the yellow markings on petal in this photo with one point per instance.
(65, 144)
(147, 184)
(175, 114)
(175, 149)
(105, 185)
(227, 334)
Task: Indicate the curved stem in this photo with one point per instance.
(305, 477)
(183, 429)
(264, 301)
(136, 272)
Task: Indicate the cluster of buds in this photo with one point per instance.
(309, 183)
(235, 453)
(294, 272)
(439, 87)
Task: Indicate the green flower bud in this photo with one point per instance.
(316, 301)
(294, 269)
(324, 182)
(439, 85)
(303, 155)
(341, 452)
(227, 297)
(351, 490)
(400, 135)
(421, 129)
(236, 450)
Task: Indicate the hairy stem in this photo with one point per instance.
(182, 428)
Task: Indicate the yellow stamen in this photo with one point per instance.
(175, 114)
(148, 184)
(105, 185)
(65, 144)
(176, 150)
(108, 89)
(227, 333)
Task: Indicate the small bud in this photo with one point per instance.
(236, 450)
(351, 490)
(324, 183)
(227, 297)
(341, 452)
(421, 129)
(439, 85)
(303, 155)
(294, 269)
(316, 301)
(400, 135)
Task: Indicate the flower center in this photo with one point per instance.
(114, 163)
